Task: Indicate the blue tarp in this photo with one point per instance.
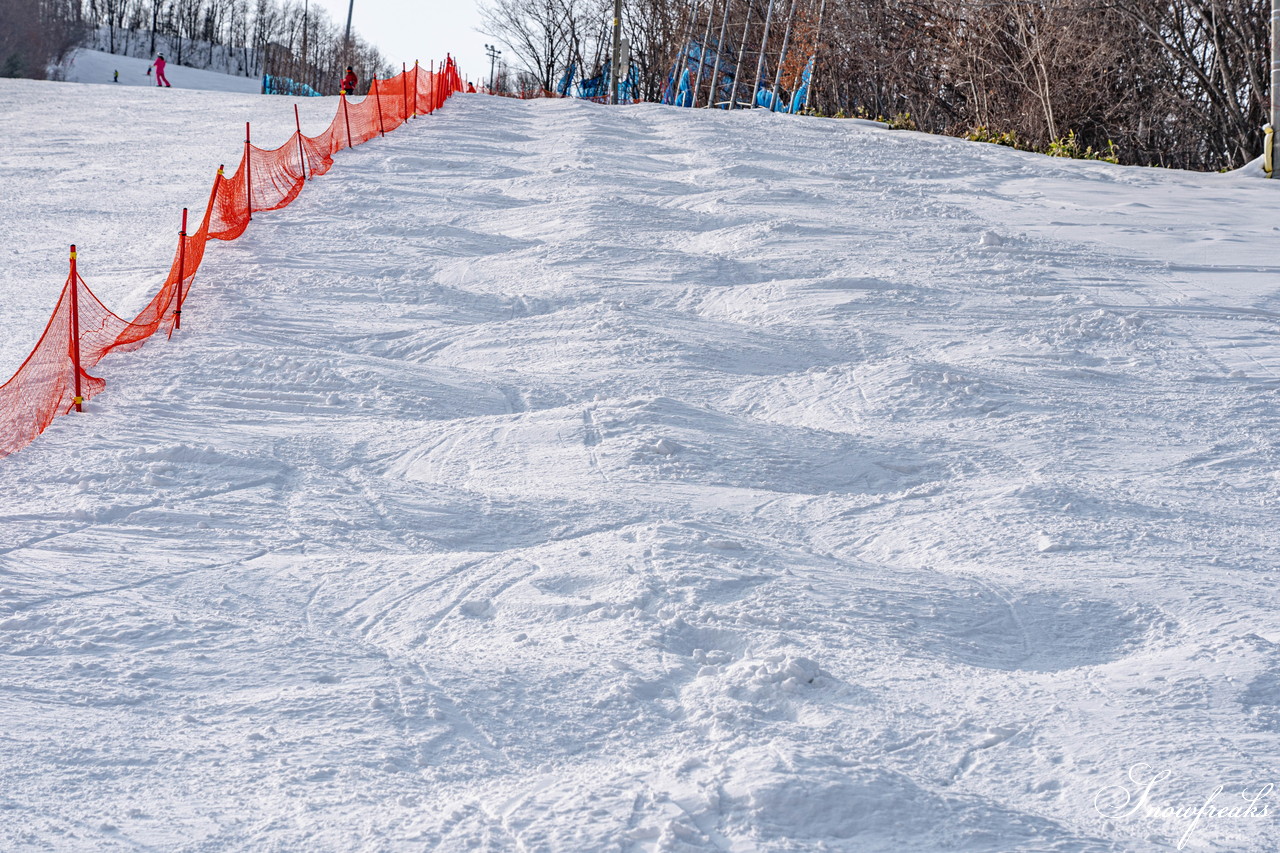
(562, 88)
(275, 85)
(598, 89)
(684, 97)
(800, 99)
(681, 94)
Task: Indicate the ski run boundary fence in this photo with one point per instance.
(54, 378)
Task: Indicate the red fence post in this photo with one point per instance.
(182, 269)
(248, 174)
(347, 117)
(415, 88)
(213, 194)
(302, 157)
(78, 399)
(404, 89)
(432, 103)
(377, 96)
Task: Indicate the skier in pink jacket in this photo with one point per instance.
(158, 65)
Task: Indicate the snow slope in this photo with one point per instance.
(559, 477)
(110, 169)
(96, 66)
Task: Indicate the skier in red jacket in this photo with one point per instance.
(158, 65)
(348, 85)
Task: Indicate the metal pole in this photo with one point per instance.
(248, 174)
(684, 54)
(347, 117)
(404, 89)
(493, 53)
(78, 399)
(813, 59)
(346, 39)
(302, 157)
(742, 53)
(377, 97)
(305, 74)
(182, 269)
(764, 43)
(1275, 63)
(415, 88)
(615, 83)
(715, 72)
(1268, 159)
(782, 57)
(702, 53)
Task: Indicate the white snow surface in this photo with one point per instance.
(97, 66)
(553, 476)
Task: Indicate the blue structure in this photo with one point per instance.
(697, 56)
(274, 85)
(800, 99)
(566, 82)
(598, 88)
(684, 95)
(680, 94)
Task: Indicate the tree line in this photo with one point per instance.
(1176, 83)
(246, 37)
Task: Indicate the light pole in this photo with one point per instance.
(615, 84)
(702, 53)
(715, 73)
(493, 53)
(782, 58)
(346, 39)
(764, 42)
(305, 75)
(742, 52)
(1268, 160)
(813, 57)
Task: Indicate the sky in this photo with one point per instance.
(422, 31)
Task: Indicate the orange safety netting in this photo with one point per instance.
(82, 331)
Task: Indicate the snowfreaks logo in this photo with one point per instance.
(1139, 797)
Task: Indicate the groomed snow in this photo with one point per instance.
(97, 66)
(110, 169)
(558, 477)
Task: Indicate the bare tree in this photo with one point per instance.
(36, 34)
(538, 32)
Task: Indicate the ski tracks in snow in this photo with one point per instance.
(637, 479)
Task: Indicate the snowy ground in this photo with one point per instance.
(110, 169)
(558, 477)
(97, 66)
